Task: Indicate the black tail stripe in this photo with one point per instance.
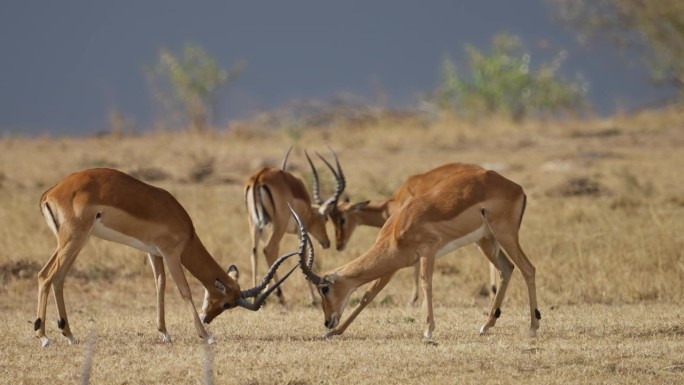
(52, 215)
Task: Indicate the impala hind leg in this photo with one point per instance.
(490, 248)
(54, 273)
(157, 264)
(416, 284)
(271, 252)
(516, 254)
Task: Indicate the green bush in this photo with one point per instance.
(190, 83)
(503, 82)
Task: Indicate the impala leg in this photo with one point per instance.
(53, 273)
(271, 252)
(493, 273)
(373, 290)
(256, 236)
(491, 249)
(157, 264)
(176, 270)
(427, 266)
(44, 282)
(416, 284)
(515, 252)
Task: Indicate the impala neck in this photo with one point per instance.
(203, 266)
(381, 260)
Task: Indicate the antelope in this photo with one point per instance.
(473, 206)
(268, 192)
(114, 206)
(347, 216)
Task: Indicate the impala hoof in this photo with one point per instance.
(71, 340)
(532, 333)
(44, 341)
(211, 340)
(483, 330)
(166, 338)
(329, 334)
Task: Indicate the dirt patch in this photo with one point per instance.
(579, 186)
(21, 269)
(25, 269)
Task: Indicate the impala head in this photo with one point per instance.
(334, 290)
(324, 208)
(345, 218)
(317, 227)
(221, 297)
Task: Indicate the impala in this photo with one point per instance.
(475, 205)
(114, 206)
(268, 192)
(347, 216)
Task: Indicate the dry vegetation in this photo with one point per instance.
(603, 226)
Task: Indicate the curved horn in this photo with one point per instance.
(242, 302)
(253, 292)
(331, 203)
(284, 164)
(306, 266)
(316, 192)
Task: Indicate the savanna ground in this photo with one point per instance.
(603, 227)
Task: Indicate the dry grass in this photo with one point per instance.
(610, 265)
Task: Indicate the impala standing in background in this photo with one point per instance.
(267, 195)
(474, 205)
(114, 206)
(346, 216)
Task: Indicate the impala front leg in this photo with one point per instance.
(368, 296)
(178, 276)
(427, 266)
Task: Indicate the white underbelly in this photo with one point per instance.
(100, 231)
(462, 241)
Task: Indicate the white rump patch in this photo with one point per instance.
(51, 222)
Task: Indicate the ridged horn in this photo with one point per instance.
(306, 244)
(316, 192)
(341, 183)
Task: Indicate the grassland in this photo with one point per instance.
(603, 227)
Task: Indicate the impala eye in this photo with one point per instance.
(325, 290)
(342, 221)
(226, 305)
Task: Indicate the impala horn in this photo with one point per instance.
(254, 292)
(316, 192)
(283, 165)
(341, 183)
(306, 266)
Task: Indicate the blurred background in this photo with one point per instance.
(87, 67)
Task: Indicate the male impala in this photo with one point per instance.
(114, 206)
(347, 216)
(267, 195)
(475, 205)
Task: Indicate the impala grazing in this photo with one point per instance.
(474, 205)
(268, 192)
(114, 206)
(347, 216)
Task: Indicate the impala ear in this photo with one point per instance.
(359, 206)
(219, 286)
(233, 272)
